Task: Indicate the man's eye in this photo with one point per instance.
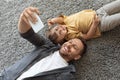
(75, 47)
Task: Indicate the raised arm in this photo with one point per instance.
(25, 29)
(92, 29)
(56, 20)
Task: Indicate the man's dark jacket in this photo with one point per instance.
(43, 49)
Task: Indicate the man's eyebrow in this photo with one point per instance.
(75, 44)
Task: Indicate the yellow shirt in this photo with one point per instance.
(80, 23)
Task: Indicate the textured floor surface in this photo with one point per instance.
(102, 60)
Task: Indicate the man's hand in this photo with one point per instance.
(26, 15)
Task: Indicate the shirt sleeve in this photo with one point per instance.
(64, 17)
(33, 38)
(73, 35)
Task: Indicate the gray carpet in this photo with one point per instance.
(102, 60)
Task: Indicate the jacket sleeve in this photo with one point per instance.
(33, 38)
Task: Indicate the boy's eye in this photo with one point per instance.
(60, 32)
(56, 29)
(70, 41)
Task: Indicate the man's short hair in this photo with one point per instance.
(85, 46)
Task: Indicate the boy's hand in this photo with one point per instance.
(50, 22)
(92, 29)
(96, 20)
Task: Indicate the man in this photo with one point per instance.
(47, 61)
(89, 24)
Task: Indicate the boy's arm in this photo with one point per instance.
(92, 29)
(56, 20)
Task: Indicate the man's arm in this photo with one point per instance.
(25, 29)
(92, 29)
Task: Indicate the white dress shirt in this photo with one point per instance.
(51, 62)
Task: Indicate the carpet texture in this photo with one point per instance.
(102, 60)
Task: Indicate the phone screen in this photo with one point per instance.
(38, 25)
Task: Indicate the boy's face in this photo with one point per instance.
(58, 32)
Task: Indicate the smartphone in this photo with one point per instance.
(38, 25)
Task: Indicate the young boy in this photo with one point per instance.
(88, 23)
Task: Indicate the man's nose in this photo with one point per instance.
(69, 46)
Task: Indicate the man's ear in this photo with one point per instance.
(77, 57)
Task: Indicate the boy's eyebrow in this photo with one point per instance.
(53, 37)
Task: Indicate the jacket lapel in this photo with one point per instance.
(69, 68)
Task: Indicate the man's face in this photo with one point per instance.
(59, 32)
(71, 49)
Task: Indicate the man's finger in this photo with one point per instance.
(25, 17)
(25, 20)
(32, 17)
(35, 10)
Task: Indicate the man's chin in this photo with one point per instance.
(63, 53)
